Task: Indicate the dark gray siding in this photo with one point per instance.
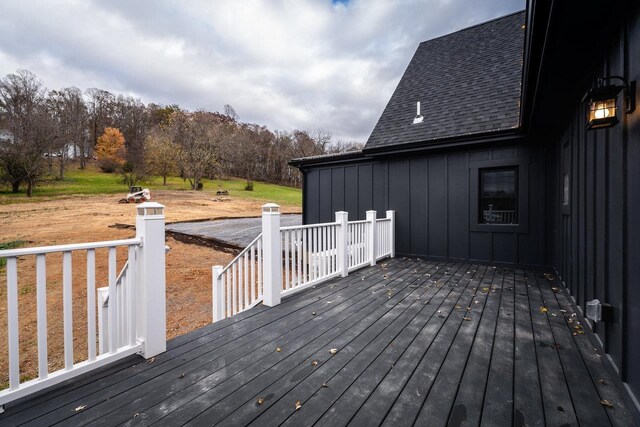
(431, 195)
(595, 242)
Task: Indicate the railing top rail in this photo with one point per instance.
(362, 221)
(67, 248)
(253, 242)
(301, 227)
(383, 219)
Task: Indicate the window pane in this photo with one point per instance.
(499, 183)
(499, 196)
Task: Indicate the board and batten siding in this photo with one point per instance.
(594, 242)
(431, 194)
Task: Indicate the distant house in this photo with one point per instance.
(524, 150)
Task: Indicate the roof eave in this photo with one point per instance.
(455, 141)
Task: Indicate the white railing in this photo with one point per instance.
(384, 242)
(238, 286)
(358, 244)
(294, 258)
(310, 255)
(499, 216)
(122, 328)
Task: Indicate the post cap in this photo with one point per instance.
(270, 208)
(150, 208)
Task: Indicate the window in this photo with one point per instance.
(565, 190)
(498, 196)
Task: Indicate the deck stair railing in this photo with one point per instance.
(240, 281)
(289, 259)
(133, 321)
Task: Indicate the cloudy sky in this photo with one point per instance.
(288, 64)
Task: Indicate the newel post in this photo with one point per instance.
(218, 293)
(371, 217)
(272, 254)
(151, 315)
(342, 243)
(392, 216)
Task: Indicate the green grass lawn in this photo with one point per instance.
(91, 181)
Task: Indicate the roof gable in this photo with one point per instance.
(467, 82)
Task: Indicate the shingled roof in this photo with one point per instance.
(467, 82)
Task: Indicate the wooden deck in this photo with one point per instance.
(417, 342)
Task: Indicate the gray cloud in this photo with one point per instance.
(287, 64)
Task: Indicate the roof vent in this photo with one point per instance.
(418, 118)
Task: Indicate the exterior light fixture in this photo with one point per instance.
(418, 118)
(602, 102)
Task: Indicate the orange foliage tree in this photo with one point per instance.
(110, 150)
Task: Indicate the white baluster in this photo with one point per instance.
(113, 303)
(41, 290)
(12, 323)
(67, 301)
(91, 304)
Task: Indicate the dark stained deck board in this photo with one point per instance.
(438, 406)
(467, 406)
(498, 396)
(527, 394)
(189, 405)
(409, 403)
(363, 366)
(383, 397)
(586, 400)
(249, 330)
(607, 384)
(406, 355)
(556, 399)
(359, 333)
(211, 360)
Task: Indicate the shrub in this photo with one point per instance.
(249, 186)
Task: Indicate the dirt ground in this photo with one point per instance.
(79, 219)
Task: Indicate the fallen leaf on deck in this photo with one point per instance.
(181, 375)
(314, 363)
(260, 401)
(80, 408)
(543, 309)
(606, 403)
(298, 405)
(136, 415)
(466, 318)
(458, 307)
(313, 313)
(333, 351)
(603, 382)
(150, 361)
(324, 385)
(278, 349)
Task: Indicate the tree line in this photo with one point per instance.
(41, 131)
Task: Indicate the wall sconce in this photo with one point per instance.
(602, 102)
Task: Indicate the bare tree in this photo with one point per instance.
(230, 112)
(198, 136)
(161, 153)
(30, 127)
(70, 113)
